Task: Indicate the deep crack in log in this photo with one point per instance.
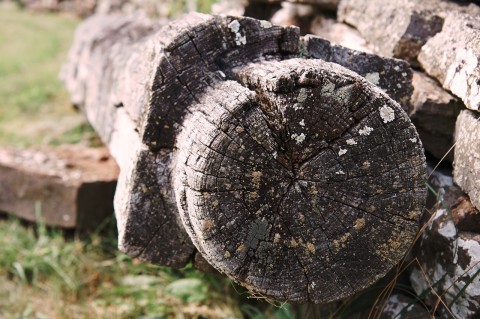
(292, 175)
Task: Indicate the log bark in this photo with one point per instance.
(284, 171)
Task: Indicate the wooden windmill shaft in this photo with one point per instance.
(292, 175)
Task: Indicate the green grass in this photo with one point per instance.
(46, 274)
(34, 107)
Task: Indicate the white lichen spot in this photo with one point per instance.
(313, 284)
(302, 96)
(342, 152)
(397, 68)
(366, 164)
(240, 129)
(399, 85)
(387, 114)
(234, 26)
(373, 78)
(365, 131)
(351, 142)
(299, 138)
(413, 139)
(275, 155)
(340, 172)
(265, 24)
(302, 123)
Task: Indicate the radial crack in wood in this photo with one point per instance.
(302, 164)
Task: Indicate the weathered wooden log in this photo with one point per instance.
(294, 176)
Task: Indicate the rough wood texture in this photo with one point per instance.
(434, 114)
(391, 75)
(466, 165)
(301, 172)
(398, 28)
(452, 56)
(70, 187)
(230, 134)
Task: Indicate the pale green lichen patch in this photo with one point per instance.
(365, 131)
(329, 87)
(351, 141)
(373, 78)
(265, 24)
(257, 232)
(302, 96)
(299, 138)
(240, 39)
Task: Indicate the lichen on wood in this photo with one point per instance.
(282, 170)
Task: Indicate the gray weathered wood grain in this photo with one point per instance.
(284, 171)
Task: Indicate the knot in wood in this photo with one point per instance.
(300, 180)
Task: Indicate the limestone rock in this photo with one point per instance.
(434, 114)
(70, 187)
(398, 28)
(450, 268)
(339, 33)
(403, 306)
(394, 28)
(466, 165)
(452, 56)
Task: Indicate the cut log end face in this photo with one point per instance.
(301, 181)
